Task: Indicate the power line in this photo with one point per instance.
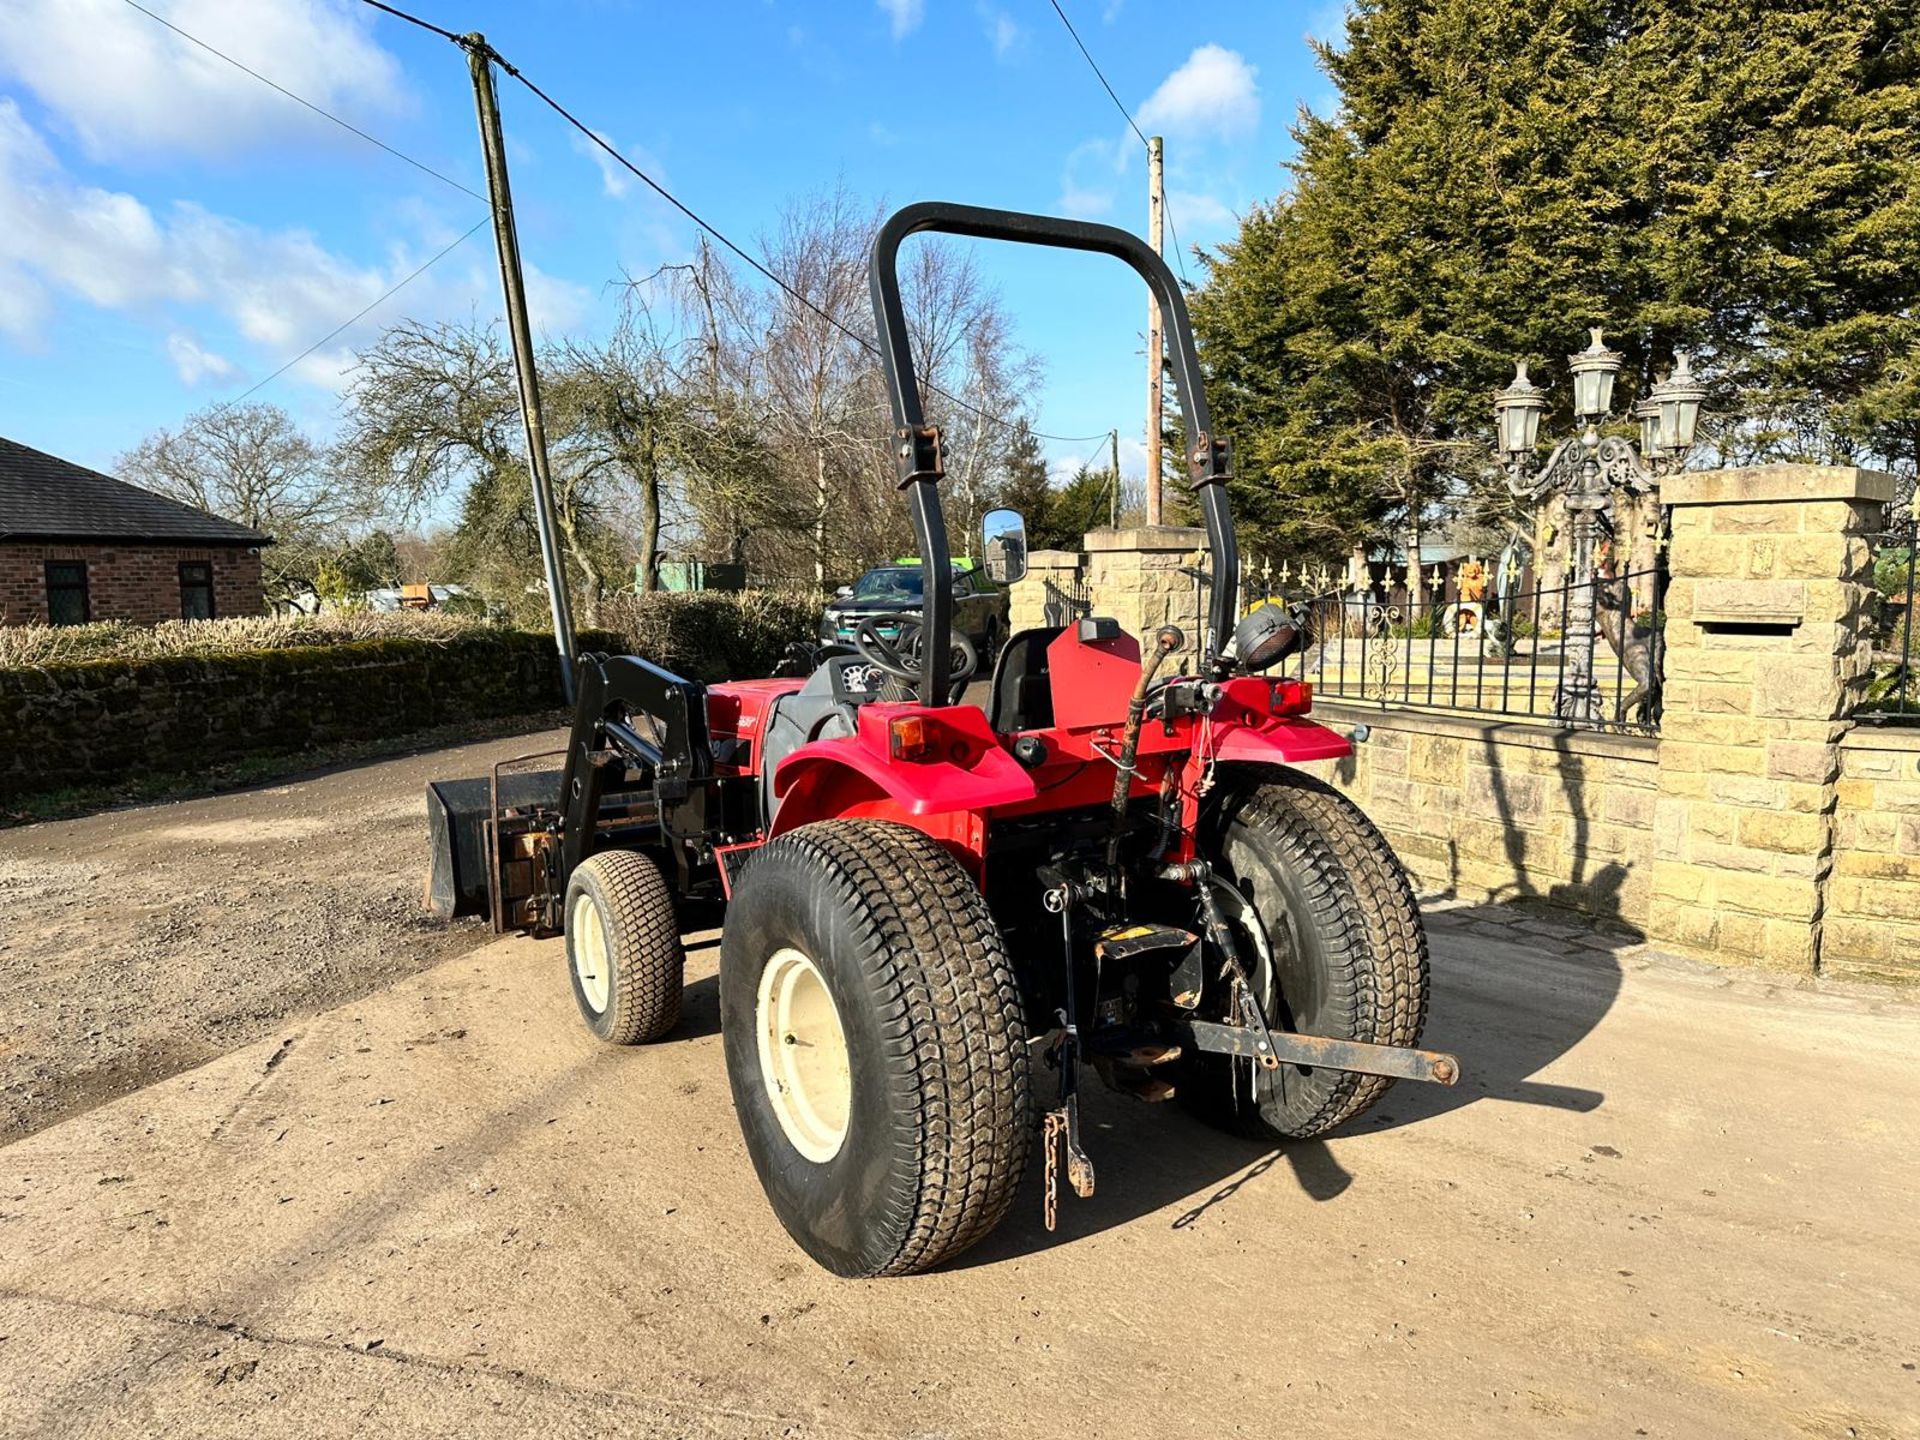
(374, 140)
(347, 125)
(347, 324)
(1125, 114)
(665, 194)
(868, 345)
(1100, 75)
(416, 20)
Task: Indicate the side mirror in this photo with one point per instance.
(1003, 536)
(844, 592)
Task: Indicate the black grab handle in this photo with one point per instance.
(917, 457)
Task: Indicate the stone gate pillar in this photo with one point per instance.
(1027, 599)
(1764, 658)
(1134, 576)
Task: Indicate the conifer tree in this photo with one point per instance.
(1735, 179)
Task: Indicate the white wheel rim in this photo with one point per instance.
(590, 964)
(803, 1055)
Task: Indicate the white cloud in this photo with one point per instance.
(1064, 464)
(555, 306)
(906, 15)
(194, 362)
(1197, 212)
(1083, 204)
(615, 179)
(326, 369)
(277, 290)
(1089, 178)
(1212, 95)
(1329, 22)
(1003, 31)
(126, 85)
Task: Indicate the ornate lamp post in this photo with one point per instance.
(1586, 469)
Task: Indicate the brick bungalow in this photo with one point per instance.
(76, 545)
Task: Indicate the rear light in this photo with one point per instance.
(910, 737)
(1292, 697)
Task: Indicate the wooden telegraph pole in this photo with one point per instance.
(1156, 219)
(1113, 505)
(513, 285)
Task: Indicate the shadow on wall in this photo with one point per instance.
(1596, 893)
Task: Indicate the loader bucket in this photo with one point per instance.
(457, 812)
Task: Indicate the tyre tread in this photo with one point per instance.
(950, 1006)
(1358, 887)
(650, 961)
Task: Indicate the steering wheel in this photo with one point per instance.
(901, 657)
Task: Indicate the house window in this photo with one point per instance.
(196, 590)
(67, 592)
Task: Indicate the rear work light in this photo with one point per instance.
(1292, 697)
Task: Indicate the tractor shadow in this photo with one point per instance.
(1513, 992)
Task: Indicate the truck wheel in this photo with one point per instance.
(1331, 936)
(875, 1044)
(624, 954)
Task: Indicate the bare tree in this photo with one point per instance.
(815, 369)
(797, 371)
(252, 464)
(435, 407)
(623, 411)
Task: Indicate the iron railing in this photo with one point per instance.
(1067, 603)
(1893, 681)
(1506, 654)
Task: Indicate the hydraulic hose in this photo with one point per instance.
(1167, 640)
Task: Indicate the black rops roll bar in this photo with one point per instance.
(916, 446)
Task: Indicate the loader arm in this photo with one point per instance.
(612, 691)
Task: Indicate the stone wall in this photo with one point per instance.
(133, 582)
(84, 722)
(1133, 576)
(1492, 810)
(1872, 915)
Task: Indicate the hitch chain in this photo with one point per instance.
(1051, 1131)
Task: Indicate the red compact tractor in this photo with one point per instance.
(1113, 865)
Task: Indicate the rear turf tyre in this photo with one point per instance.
(624, 956)
(876, 1046)
(1320, 903)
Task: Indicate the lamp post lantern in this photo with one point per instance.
(1586, 469)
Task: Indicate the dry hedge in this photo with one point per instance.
(26, 646)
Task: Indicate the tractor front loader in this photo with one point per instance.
(1114, 863)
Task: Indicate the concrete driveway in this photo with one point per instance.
(1664, 1202)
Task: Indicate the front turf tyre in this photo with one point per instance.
(876, 1046)
(624, 954)
(1329, 929)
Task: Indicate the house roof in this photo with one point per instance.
(43, 497)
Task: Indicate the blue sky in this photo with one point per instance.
(172, 231)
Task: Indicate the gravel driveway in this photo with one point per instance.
(138, 943)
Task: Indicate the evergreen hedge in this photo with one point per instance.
(177, 702)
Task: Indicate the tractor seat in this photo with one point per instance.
(1022, 696)
(813, 712)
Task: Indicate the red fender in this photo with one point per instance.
(1261, 721)
(969, 771)
(1281, 742)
